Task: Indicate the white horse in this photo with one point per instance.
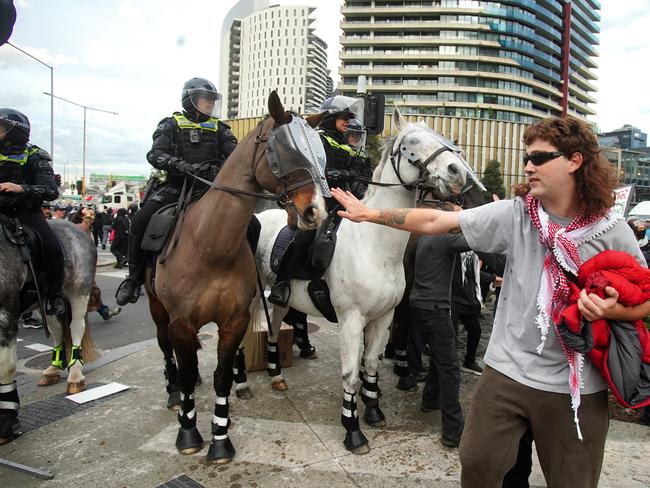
(366, 274)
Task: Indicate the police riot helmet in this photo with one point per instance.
(201, 97)
(341, 107)
(16, 126)
(355, 134)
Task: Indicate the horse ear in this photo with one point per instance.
(314, 120)
(398, 121)
(276, 109)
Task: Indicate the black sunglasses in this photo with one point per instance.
(540, 157)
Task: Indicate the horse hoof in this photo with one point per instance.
(189, 441)
(221, 451)
(356, 442)
(244, 393)
(174, 400)
(280, 385)
(49, 379)
(374, 417)
(7, 440)
(75, 387)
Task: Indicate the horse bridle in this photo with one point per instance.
(283, 200)
(413, 159)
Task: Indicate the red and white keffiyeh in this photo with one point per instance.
(561, 245)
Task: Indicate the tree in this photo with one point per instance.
(492, 179)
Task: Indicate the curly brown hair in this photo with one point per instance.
(595, 179)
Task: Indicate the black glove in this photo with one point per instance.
(583, 342)
(183, 166)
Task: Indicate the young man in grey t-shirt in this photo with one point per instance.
(531, 378)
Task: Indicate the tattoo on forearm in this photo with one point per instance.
(456, 230)
(389, 217)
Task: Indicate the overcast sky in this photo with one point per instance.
(133, 56)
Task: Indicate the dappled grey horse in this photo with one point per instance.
(80, 261)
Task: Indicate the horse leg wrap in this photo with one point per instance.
(370, 396)
(302, 336)
(220, 420)
(354, 438)
(349, 415)
(58, 356)
(189, 439)
(221, 449)
(9, 406)
(187, 413)
(75, 355)
(239, 367)
(171, 374)
(400, 364)
(171, 383)
(272, 359)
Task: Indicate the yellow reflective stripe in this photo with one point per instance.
(336, 145)
(18, 158)
(58, 358)
(212, 124)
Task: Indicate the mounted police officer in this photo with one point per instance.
(347, 162)
(26, 181)
(190, 142)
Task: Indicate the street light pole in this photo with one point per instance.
(51, 99)
(83, 164)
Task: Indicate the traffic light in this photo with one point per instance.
(79, 187)
(373, 113)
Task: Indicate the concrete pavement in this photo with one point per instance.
(287, 439)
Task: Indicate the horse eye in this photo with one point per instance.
(415, 140)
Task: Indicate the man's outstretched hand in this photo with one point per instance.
(354, 209)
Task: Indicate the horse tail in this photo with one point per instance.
(253, 343)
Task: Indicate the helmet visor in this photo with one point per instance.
(356, 139)
(206, 102)
(340, 103)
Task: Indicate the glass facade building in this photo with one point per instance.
(472, 58)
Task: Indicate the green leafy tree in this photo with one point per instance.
(492, 179)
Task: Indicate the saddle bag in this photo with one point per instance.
(158, 230)
(325, 243)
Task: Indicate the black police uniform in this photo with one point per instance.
(30, 167)
(181, 143)
(342, 169)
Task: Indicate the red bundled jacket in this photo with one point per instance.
(620, 350)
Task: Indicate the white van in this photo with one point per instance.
(119, 197)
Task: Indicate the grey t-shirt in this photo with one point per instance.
(504, 227)
(434, 268)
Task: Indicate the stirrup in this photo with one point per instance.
(280, 293)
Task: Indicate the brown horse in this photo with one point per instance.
(211, 275)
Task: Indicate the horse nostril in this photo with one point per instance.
(310, 214)
(452, 169)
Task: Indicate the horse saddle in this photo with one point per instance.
(309, 253)
(159, 227)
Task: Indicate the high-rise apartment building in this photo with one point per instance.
(504, 60)
(627, 137)
(272, 48)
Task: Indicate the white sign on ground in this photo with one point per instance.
(99, 392)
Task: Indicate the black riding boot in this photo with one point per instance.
(129, 289)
